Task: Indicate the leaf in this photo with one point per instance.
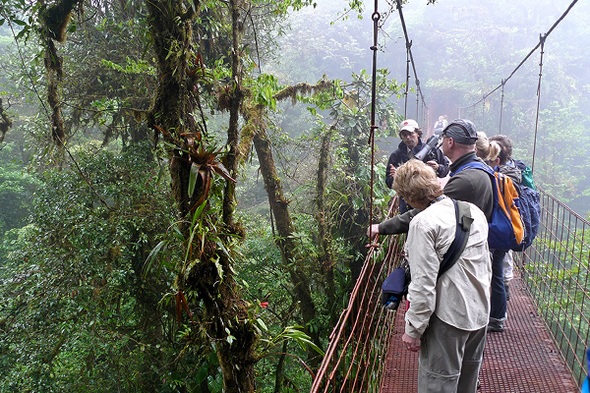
(181, 305)
(230, 339)
(152, 256)
(262, 325)
(220, 169)
(192, 181)
(219, 268)
(299, 336)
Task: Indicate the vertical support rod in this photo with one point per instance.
(501, 108)
(542, 39)
(375, 17)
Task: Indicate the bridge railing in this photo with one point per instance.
(556, 272)
(358, 344)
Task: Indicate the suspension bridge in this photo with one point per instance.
(543, 347)
(541, 350)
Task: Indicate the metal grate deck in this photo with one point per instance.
(522, 359)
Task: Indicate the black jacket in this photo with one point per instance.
(400, 156)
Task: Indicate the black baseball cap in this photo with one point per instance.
(462, 131)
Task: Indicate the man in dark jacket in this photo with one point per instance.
(410, 145)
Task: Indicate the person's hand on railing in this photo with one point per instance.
(373, 231)
(372, 234)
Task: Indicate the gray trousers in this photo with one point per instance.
(450, 358)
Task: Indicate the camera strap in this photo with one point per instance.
(464, 220)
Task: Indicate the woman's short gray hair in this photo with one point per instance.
(417, 182)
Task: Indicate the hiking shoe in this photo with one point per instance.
(495, 328)
(495, 325)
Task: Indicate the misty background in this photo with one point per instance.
(463, 50)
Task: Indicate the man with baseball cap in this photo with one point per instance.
(411, 144)
(469, 185)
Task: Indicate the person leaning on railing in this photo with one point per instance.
(447, 317)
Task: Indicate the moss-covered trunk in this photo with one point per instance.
(279, 207)
(54, 20)
(5, 122)
(173, 115)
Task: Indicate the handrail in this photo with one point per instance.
(556, 271)
(358, 343)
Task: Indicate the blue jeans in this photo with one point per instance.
(498, 310)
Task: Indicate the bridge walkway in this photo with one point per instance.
(521, 359)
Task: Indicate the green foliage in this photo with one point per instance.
(16, 191)
(77, 313)
(296, 334)
(266, 285)
(263, 90)
(131, 66)
(567, 177)
(88, 295)
(352, 167)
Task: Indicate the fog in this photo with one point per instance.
(462, 51)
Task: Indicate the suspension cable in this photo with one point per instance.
(526, 57)
(501, 108)
(542, 43)
(417, 104)
(408, 46)
(375, 17)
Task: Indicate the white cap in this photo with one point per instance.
(408, 125)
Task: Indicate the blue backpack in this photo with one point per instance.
(530, 206)
(506, 228)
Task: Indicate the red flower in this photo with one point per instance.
(264, 304)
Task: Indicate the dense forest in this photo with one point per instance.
(186, 185)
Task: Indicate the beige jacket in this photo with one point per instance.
(461, 297)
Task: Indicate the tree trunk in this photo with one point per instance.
(232, 158)
(5, 122)
(225, 313)
(284, 230)
(54, 68)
